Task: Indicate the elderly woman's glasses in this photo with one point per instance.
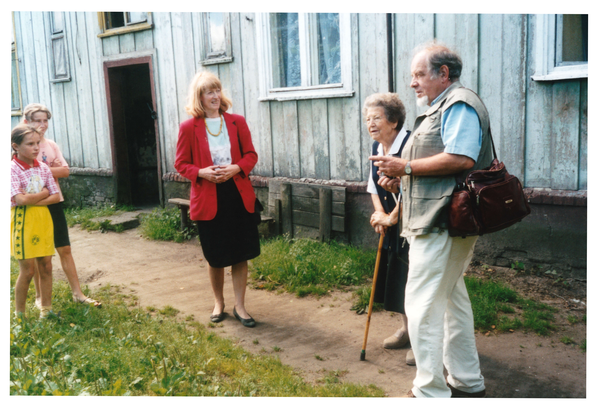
(375, 120)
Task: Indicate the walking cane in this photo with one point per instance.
(381, 237)
(364, 346)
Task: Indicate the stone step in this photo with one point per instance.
(121, 221)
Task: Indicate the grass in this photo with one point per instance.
(361, 297)
(119, 351)
(164, 224)
(490, 299)
(304, 266)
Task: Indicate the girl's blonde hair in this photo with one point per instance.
(202, 82)
(18, 134)
(32, 108)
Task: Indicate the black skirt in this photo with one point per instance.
(232, 236)
(391, 278)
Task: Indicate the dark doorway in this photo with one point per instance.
(136, 161)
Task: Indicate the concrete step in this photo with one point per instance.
(122, 221)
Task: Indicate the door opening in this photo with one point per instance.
(136, 159)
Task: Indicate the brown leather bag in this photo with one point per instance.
(487, 201)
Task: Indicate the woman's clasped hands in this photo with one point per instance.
(380, 221)
(219, 173)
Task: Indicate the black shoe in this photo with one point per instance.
(246, 322)
(459, 393)
(218, 318)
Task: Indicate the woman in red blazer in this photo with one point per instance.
(215, 152)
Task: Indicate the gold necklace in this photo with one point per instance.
(220, 127)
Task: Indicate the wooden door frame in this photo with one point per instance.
(147, 59)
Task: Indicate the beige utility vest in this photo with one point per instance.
(425, 199)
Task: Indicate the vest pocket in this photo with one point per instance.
(432, 187)
(429, 198)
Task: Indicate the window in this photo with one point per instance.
(217, 38)
(304, 56)
(121, 22)
(15, 85)
(60, 61)
(561, 47)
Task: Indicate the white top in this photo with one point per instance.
(371, 188)
(220, 147)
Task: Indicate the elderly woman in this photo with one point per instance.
(215, 152)
(384, 115)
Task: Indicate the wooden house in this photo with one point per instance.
(116, 83)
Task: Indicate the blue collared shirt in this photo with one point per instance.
(461, 130)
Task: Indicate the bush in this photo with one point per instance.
(164, 224)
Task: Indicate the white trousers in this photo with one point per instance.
(440, 317)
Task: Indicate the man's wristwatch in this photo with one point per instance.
(407, 168)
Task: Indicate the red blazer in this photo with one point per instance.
(193, 153)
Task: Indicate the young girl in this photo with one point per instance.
(32, 234)
(38, 115)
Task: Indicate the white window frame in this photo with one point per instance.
(305, 91)
(545, 54)
(222, 56)
(129, 27)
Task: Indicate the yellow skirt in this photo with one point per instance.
(31, 232)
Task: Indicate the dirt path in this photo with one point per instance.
(319, 335)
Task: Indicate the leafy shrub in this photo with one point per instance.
(164, 224)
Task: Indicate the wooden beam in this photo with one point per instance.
(285, 192)
(324, 214)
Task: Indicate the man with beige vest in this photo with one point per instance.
(450, 139)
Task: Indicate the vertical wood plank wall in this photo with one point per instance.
(540, 128)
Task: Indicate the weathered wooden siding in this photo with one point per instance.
(555, 129)
(540, 128)
(80, 122)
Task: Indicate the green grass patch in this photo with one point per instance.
(164, 224)
(567, 340)
(361, 297)
(117, 351)
(168, 311)
(489, 299)
(304, 266)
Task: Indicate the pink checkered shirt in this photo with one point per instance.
(26, 179)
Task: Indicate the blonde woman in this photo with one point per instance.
(215, 152)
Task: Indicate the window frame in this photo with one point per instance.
(545, 54)
(307, 61)
(128, 28)
(15, 111)
(55, 36)
(226, 56)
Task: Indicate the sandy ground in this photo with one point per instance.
(314, 335)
